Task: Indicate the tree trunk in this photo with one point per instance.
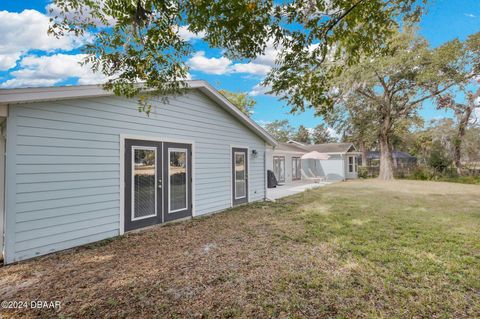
(363, 150)
(386, 162)
(457, 145)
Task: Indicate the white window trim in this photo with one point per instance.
(354, 164)
(244, 174)
(184, 150)
(133, 182)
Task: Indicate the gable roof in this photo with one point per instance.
(331, 148)
(289, 147)
(27, 95)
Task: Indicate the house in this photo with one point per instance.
(82, 165)
(285, 160)
(400, 159)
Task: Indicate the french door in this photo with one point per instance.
(279, 168)
(296, 168)
(239, 175)
(158, 182)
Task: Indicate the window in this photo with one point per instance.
(177, 175)
(144, 181)
(240, 174)
(352, 164)
(296, 168)
(279, 168)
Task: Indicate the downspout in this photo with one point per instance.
(265, 175)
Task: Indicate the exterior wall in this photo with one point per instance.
(288, 163)
(349, 175)
(63, 165)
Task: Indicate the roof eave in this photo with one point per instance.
(28, 95)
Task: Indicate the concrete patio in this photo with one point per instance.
(292, 189)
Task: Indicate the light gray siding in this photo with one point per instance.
(63, 165)
(288, 163)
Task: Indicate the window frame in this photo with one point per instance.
(149, 148)
(244, 174)
(184, 150)
(296, 167)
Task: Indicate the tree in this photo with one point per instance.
(280, 130)
(135, 41)
(394, 84)
(464, 112)
(302, 135)
(355, 118)
(241, 100)
(439, 158)
(321, 135)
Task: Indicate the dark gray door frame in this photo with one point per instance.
(162, 184)
(187, 212)
(242, 200)
(129, 223)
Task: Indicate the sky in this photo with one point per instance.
(30, 58)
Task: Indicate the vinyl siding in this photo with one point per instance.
(65, 162)
(288, 163)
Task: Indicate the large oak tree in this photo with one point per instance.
(393, 85)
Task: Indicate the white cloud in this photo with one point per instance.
(50, 70)
(188, 35)
(269, 57)
(259, 89)
(209, 65)
(470, 15)
(251, 68)
(8, 61)
(223, 65)
(25, 31)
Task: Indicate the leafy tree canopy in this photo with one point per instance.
(280, 130)
(242, 101)
(321, 135)
(302, 135)
(136, 41)
(392, 86)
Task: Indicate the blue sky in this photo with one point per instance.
(30, 59)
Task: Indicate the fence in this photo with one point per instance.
(402, 172)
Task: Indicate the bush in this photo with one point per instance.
(362, 172)
(422, 173)
(439, 159)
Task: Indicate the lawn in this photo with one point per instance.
(362, 249)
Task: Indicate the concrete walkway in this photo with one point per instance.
(291, 189)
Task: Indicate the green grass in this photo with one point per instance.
(414, 252)
(363, 249)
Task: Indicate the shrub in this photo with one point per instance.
(439, 159)
(362, 172)
(422, 173)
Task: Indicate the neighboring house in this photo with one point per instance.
(286, 163)
(400, 159)
(83, 165)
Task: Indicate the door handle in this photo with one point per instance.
(159, 183)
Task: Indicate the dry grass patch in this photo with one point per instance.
(360, 249)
